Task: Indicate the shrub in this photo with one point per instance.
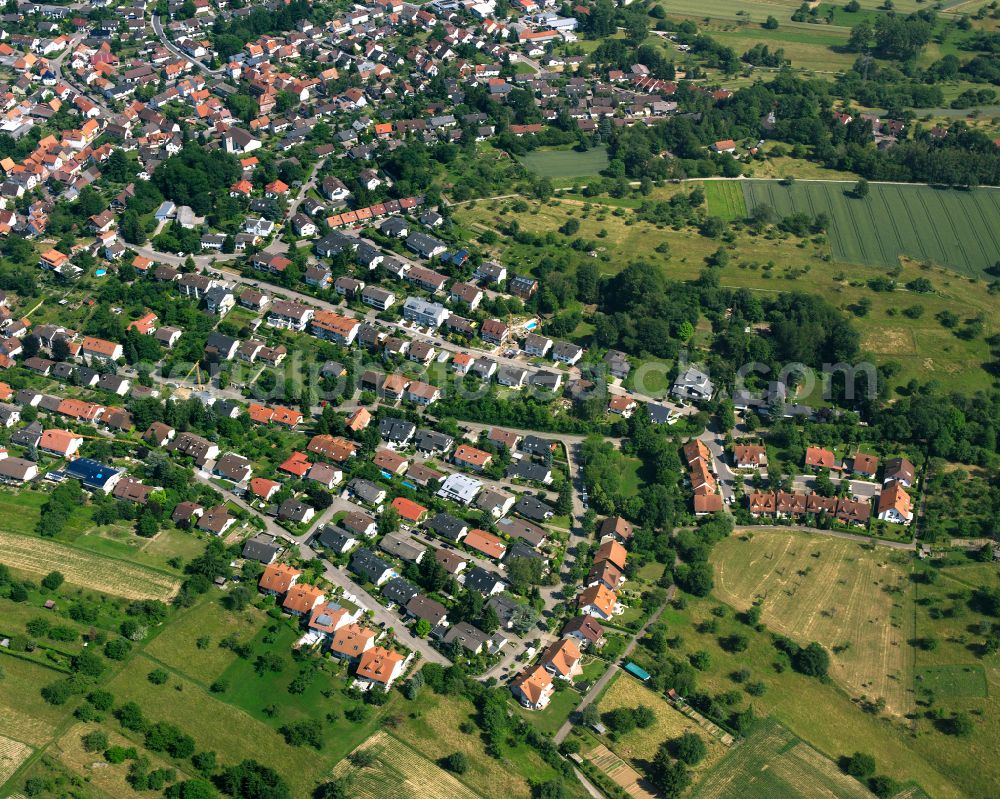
(456, 762)
(158, 676)
(95, 741)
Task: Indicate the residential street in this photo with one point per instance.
(161, 34)
(598, 687)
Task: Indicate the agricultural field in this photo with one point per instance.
(724, 199)
(12, 755)
(820, 713)
(400, 772)
(24, 715)
(120, 541)
(857, 603)
(641, 745)
(566, 163)
(774, 764)
(87, 570)
(817, 48)
(946, 227)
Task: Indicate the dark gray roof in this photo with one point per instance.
(528, 470)
(533, 508)
(261, 547)
(396, 430)
(399, 590)
(448, 526)
(368, 565)
(478, 579)
(335, 538)
(431, 440)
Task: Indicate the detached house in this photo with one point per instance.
(533, 688)
(562, 659)
(278, 578)
(894, 504)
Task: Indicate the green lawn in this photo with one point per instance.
(550, 719)
(632, 482)
(952, 228)
(566, 163)
(177, 646)
(19, 511)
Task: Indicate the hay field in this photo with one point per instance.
(400, 773)
(92, 767)
(857, 603)
(774, 764)
(12, 755)
(84, 569)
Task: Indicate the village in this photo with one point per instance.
(371, 387)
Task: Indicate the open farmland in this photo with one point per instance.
(566, 163)
(400, 773)
(951, 228)
(774, 764)
(84, 569)
(12, 755)
(856, 603)
(724, 199)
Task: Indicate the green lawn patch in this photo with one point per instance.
(20, 511)
(550, 719)
(566, 163)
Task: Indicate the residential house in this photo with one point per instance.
(351, 641)
(693, 384)
(533, 688)
(302, 598)
(894, 504)
(372, 569)
(381, 667)
(562, 659)
(278, 578)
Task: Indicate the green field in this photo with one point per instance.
(725, 199)
(774, 764)
(566, 163)
(957, 229)
(948, 682)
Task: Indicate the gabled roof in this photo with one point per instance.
(278, 577)
(562, 657)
